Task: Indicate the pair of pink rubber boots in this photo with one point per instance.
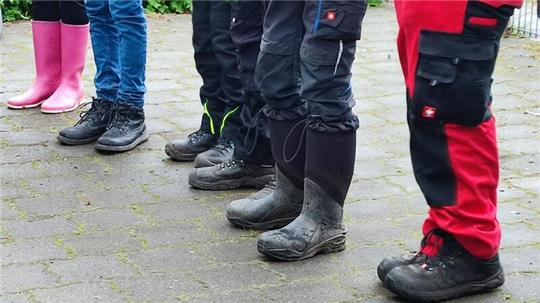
(60, 54)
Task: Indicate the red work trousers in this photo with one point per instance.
(447, 51)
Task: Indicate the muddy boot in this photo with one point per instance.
(451, 273)
(276, 209)
(187, 149)
(318, 229)
(231, 174)
(217, 154)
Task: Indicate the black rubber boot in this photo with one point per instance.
(126, 130)
(187, 149)
(276, 209)
(217, 154)
(318, 229)
(91, 126)
(452, 273)
(390, 263)
(284, 204)
(230, 175)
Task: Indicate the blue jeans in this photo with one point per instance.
(118, 30)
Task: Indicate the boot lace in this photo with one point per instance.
(439, 260)
(196, 136)
(120, 119)
(223, 146)
(93, 114)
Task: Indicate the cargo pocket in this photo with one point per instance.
(335, 20)
(453, 78)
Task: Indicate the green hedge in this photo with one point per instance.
(20, 9)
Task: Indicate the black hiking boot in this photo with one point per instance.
(452, 273)
(230, 175)
(90, 127)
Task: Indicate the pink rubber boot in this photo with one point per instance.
(69, 94)
(48, 66)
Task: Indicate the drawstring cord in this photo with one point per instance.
(254, 124)
(299, 142)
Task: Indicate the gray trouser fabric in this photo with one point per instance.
(252, 142)
(304, 68)
(216, 61)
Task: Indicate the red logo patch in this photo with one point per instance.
(330, 15)
(429, 112)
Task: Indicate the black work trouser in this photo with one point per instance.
(304, 68)
(68, 11)
(252, 143)
(221, 94)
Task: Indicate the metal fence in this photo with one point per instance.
(526, 20)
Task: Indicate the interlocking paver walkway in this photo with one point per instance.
(77, 226)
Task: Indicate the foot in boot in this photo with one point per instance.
(91, 126)
(125, 131)
(452, 272)
(217, 154)
(390, 263)
(275, 206)
(230, 175)
(188, 148)
(318, 229)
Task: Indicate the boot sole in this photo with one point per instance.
(257, 182)
(269, 225)
(179, 156)
(470, 288)
(59, 111)
(123, 148)
(25, 106)
(68, 141)
(332, 245)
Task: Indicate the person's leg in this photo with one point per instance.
(46, 37)
(74, 43)
(127, 128)
(232, 92)
(280, 201)
(105, 45)
(327, 54)
(252, 154)
(252, 142)
(210, 93)
(448, 56)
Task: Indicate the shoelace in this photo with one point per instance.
(223, 146)
(91, 113)
(432, 261)
(254, 124)
(272, 183)
(195, 136)
(119, 118)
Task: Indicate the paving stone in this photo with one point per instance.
(90, 269)
(42, 249)
(17, 278)
(82, 292)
